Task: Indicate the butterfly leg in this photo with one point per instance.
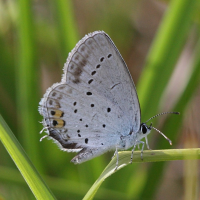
(42, 130)
(147, 143)
(138, 143)
(43, 137)
(132, 153)
(143, 143)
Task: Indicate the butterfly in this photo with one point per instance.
(95, 107)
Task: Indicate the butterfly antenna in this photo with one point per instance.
(163, 113)
(170, 142)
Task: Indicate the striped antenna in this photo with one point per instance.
(177, 113)
(170, 142)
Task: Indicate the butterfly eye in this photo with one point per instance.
(143, 128)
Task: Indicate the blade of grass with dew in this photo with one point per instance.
(148, 156)
(173, 124)
(23, 163)
(27, 83)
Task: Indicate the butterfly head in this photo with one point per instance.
(145, 129)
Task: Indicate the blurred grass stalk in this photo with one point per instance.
(164, 53)
(191, 183)
(66, 26)
(162, 58)
(21, 160)
(7, 85)
(27, 82)
(191, 167)
(172, 125)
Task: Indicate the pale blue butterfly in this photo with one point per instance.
(95, 107)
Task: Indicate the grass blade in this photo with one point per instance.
(148, 156)
(28, 171)
(27, 83)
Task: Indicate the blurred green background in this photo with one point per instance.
(35, 39)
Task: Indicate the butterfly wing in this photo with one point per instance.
(96, 101)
